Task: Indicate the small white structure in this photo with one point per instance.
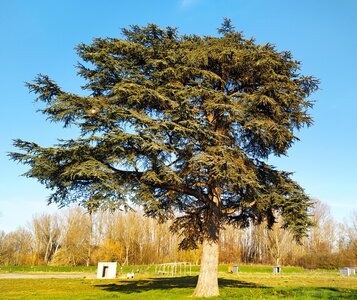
(174, 268)
(107, 270)
(347, 271)
(277, 270)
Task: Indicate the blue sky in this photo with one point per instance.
(39, 36)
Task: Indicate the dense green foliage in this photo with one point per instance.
(182, 125)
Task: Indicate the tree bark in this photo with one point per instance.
(89, 253)
(207, 285)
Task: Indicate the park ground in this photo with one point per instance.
(250, 283)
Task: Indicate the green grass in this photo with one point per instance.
(145, 269)
(51, 269)
(260, 284)
(261, 269)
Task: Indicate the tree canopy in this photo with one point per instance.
(180, 124)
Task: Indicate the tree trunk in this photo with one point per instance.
(48, 249)
(207, 285)
(89, 253)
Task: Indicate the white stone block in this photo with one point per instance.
(107, 270)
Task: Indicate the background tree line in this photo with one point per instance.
(75, 237)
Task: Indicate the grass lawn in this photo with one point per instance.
(244, 285)
(30, 269)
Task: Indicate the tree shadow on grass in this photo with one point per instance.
(168, 283)
(143, 285)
